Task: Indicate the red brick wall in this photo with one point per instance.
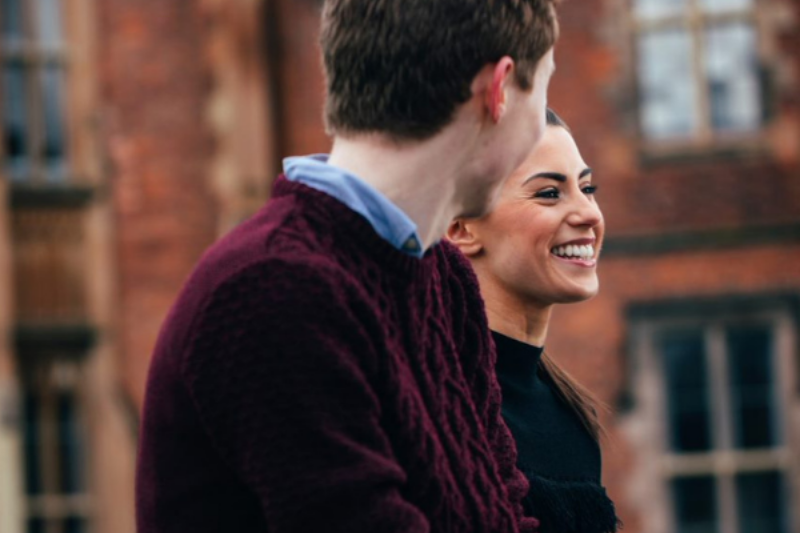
(300, 81)
(589, 339)
(671, 196)
(155, 81)
(157, 84)
(592, 89)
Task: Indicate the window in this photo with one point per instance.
(55, 454)
(33, 58)
(713, 398)
(721, 398)
(699, 75)
(48, 107)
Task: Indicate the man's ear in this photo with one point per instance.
(497, 94)
(460, 232)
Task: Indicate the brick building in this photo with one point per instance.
(689, 112)
(134, 136)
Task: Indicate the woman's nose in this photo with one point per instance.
(585, 212)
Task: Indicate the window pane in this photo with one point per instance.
(71, 446)
(54, 150)
(650, 9)
(717, 6)
(761, 503)
(695, 503)
(35, 525)
(667, 85)
(752, 387)
(687, 390)
(15, 126)
(33, 472)
(74, 524)
(733, 80)
(48, 22)
(12, 21)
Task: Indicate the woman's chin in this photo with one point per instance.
(578, 293)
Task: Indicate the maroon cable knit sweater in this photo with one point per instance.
(312, 378)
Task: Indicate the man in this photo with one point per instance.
(328, 367)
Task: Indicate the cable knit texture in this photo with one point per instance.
(312, 378)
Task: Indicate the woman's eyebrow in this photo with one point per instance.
(556, 176)
(547, 175)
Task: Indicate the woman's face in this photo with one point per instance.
(541, 242)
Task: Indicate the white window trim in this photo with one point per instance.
(76, 54)
(33, 57)
(57, 505)
(695, 20)
(646, 425)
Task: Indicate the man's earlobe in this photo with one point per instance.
(460, 233)
(497, 94)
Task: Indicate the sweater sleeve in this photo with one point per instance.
(489, 398)
(279, 370)
(505, 450)
(479, 355)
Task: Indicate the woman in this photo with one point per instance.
(539, 248)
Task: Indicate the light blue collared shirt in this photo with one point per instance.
(388, 220)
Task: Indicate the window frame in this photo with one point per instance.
(34, 54)
(73, 337)
(704, 138)
(52, 505)
(647, 422)
(76, 54)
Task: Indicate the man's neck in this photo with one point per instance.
(423, 179)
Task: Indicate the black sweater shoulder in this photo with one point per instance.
(559, 456)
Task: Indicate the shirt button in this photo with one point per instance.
(411, 245)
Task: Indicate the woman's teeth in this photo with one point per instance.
(575, 251)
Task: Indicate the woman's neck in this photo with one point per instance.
(524, 321)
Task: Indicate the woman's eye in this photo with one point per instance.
(551, 194)
(589, 189)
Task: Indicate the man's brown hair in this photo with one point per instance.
(402, 67)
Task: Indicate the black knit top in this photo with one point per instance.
(556, 452)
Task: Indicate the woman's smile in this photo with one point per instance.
(579, 252)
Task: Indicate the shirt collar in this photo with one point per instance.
(388, 220)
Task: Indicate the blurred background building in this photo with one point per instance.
(136, 133)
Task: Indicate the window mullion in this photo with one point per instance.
(3, 63)
(725, 463)
(34, 141)
(34, 65)
(726, 497)
(721, 394)
(3, 154)
(728, 17)
(661, 23)
(784, 379)
(788, 383)
(704, 132)
(47, 431)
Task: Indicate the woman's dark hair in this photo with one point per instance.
(571, 392)
(552, 119)
(574, 395)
